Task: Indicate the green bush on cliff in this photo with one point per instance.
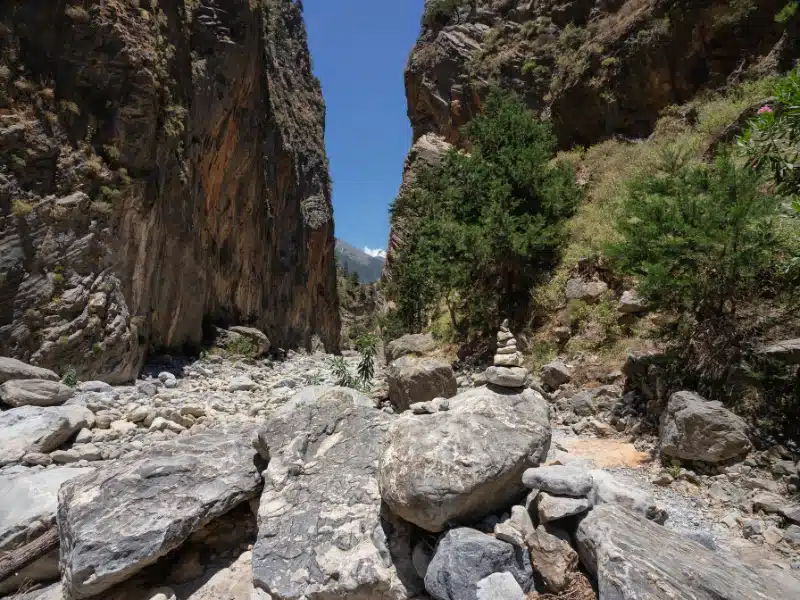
(700, 239)
(484, 227)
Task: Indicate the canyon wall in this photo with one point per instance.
(162, 166)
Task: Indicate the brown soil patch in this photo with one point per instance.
(607, 453)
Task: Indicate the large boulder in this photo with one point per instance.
(559, 480)
(28, 510)
(633, 558)
(11, 368)
(786, 351)
(555, 373)
(39, 429)
(413, 379)
(115, 521)
(466, 556)
(465, 463)
(34, 392)
(418, 344)
(608, 489)
(695, 429)
(322, 532)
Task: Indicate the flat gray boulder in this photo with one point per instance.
(39, 429)
(322, 532)
(499, 586)
(787, 351)
(608, 489)
(115, 521)
(27, 511)
(693, 428)
(466, 463)
(34, 392)
(418, 344)
(506, 376)
(464, 557)
(412, 379)
(559, 480)
(633, 558)
(11, 368)
(29, 504)
(552, 508)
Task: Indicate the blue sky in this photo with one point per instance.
(359, 50)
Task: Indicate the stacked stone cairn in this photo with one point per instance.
(507, 370)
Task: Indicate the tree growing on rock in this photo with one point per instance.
(484, 226)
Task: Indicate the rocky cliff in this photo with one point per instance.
(162, 166)
(594, 68)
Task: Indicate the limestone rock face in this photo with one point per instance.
(633, 558)
(322, 532)
(39, 429)
(413, 379)
(693, 428)
(495, 434)
(115, 521)
(202, 192)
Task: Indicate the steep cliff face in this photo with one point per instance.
(161, 165)
(594, 67)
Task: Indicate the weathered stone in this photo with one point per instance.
(587, 291)
(115, 521)
(322, 530)
(241, 384)
(516, 528)
(495, 433)
(787, 351)
(499, 586)
(412, 379)
(555, 373)
(29, 504)
(631, 303)
(559, 480)
(466, 556)
(693, 428)
(417, 344)
(508, 360)
(11, 368)
(553, 558)
(607, 489)
(36, 429)
(34, 392)
(552, 508)
(258, 337)
(513, 377)
(633, 558)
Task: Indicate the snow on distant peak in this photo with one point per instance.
(377, 252)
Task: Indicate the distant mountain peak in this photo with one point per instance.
(367, 263)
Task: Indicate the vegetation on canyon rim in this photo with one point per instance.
(708, 238)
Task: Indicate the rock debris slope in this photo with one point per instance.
(161, 164)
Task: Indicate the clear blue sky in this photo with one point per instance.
(359, 50)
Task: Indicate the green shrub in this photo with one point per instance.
(700, 238)
(367, 346)
(772, 140)
(242, 345)
(483, 227)
(341, 373)
(440, 12)
(70, 377)
(787, 13)
(20, 208)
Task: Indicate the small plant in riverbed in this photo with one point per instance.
(341, 373)
(20, 208)
(70, 377)
(367, 348)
